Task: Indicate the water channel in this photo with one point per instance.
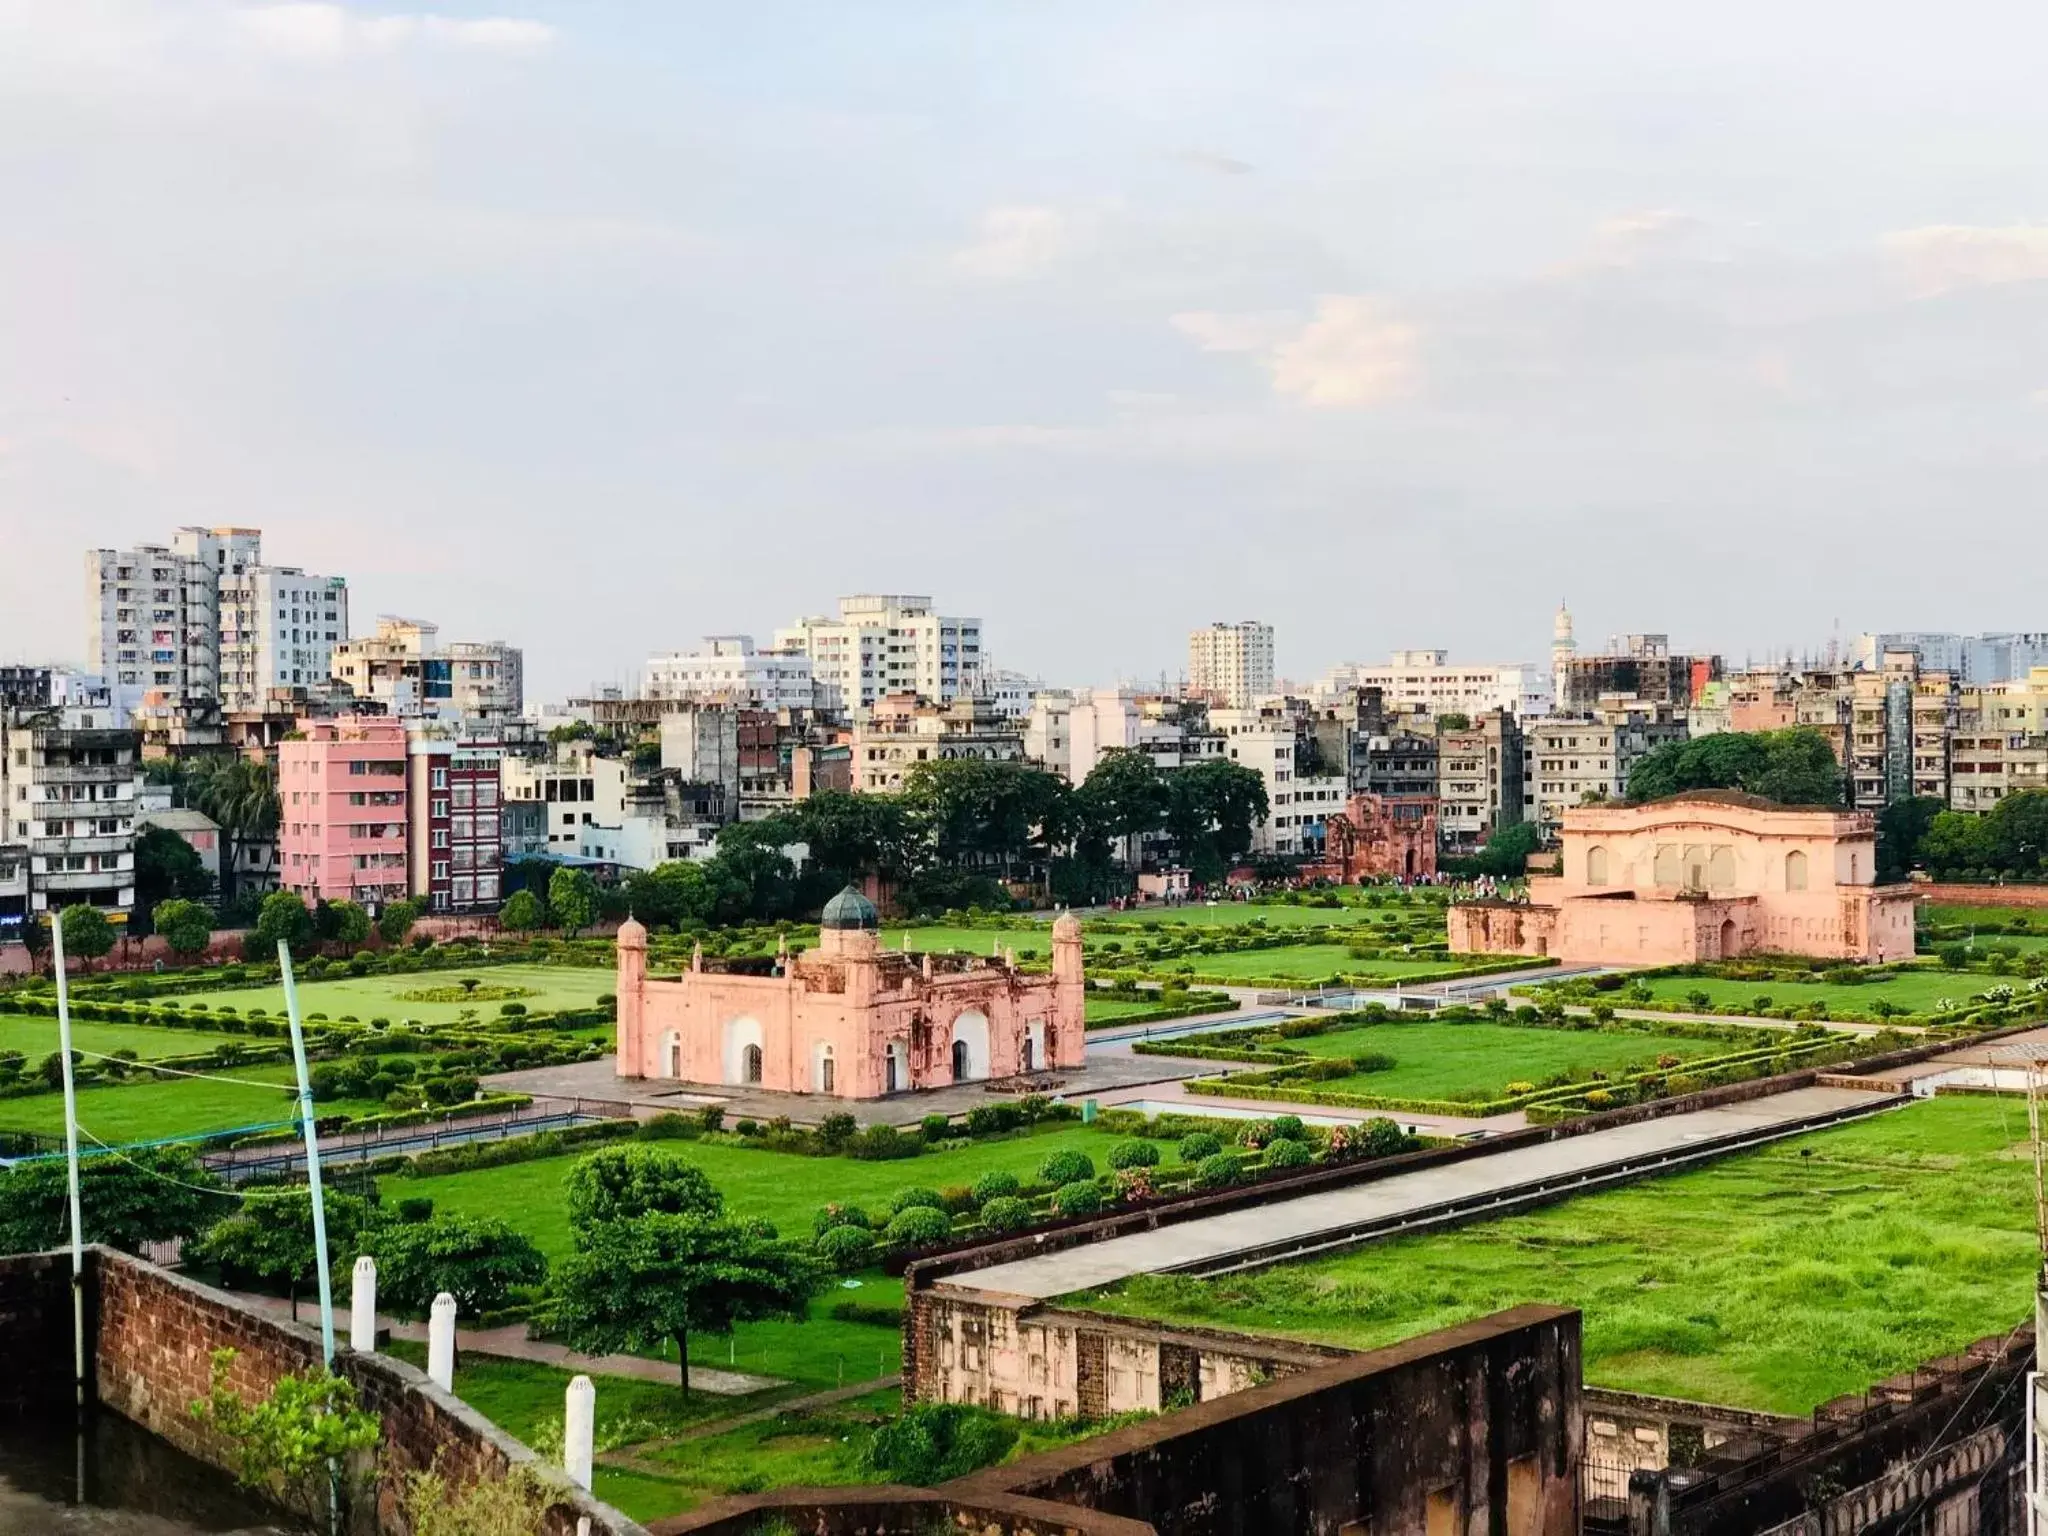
(114, 1479)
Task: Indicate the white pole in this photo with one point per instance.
(441, 1342)
(579, 1431)
(71, 1160)
(362, 1307)
(291, 1008)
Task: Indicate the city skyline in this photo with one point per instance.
(536, 317)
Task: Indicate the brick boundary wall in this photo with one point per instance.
(1983, 895)
(152, 1338)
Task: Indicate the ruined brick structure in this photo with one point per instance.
(850, 1019)
(1379, 837)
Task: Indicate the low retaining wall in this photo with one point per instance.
(1983, 895)
(892, 1511)
(153, 1335)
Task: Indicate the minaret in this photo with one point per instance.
(631, 995)
(1066, 1043)
(1562, 648)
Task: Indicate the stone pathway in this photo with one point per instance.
(511, 1343)
(1214, 1240)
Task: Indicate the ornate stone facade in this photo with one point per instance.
(850, 1019)
(1707, 875)
(1380, 837)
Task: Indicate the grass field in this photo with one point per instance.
(36, 1038)
(1298, 962)
(1774, 1280)
(970, 941)
(1448, 1061)
(1230, 913)
(1107, 1010)
(368, 997)
(145, 1111)
(781, 1186)
(1939, 915)
(1914, 991)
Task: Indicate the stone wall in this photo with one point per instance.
(1984, 895)
(153, 1339)
(891, 1511)
(1039, 1362)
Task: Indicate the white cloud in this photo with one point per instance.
(1018, 242)
(1354, 352)
(1223, 331)
(1939, 257)
(305, 29)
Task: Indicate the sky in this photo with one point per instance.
(598, 327)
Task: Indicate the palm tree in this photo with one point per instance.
(240, 795)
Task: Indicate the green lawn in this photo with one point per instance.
(36, 1038)
(1775, 1280)
(969, 941)
(1940, 915)
(1300, 962)
(1231, 913)
(1107, 1010)
(1448, 1061)
(146, 1111)
(1915, 991)
(368, 997)
(781, 1186)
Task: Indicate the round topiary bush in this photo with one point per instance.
(1289, 1128)
(913, 1198)
(1006, 1213)
(1289, 1154)
(918, 1226)
(831, 1217)
(1064, 1168)
(1134, 1153)
(1197, 1145)
(1083, 1197)
(995, 1185)
(1219, 1170)
(847, 1248)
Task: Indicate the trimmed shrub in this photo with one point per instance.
(836, 1215)
(1006, 1213)
(1289, 1128)
(914, 1198)
(846, 1248)
(1289, 1154)
(994, 1186)
(883, 1143)
(1083, 1197)
(1219, 1170)
(1198, 1145)
(1064, 1168)
(1133, 1154)
(919, 1225)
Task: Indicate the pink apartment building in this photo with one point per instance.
(341, 788)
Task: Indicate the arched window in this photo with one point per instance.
(1795, 871)
(1667, 866)
(960, 1061)
(1721, 868)
(750, 1064)
(827, 1074)
(1596, 866)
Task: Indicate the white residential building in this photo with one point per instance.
(67, 795)
(1577, 760)
(1009, 694)
(578, 787)
(405, 668)
(1988, 658)
(153, 624)
(1297, 803)
(1231, 664)
(1428, 680)
(729, 670)
(278, 629)
(886, 644)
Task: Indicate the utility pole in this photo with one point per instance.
(312, 1133)
(71, 1160)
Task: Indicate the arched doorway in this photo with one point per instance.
(742, 1054)
(1034, 1046)
(672, 1054)
(824, 1071)
(896, 1067)
(970, 1047)
(1727, 937)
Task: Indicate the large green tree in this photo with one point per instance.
(284, 917)
(523, 913)
(1901, 828)
(271, 1237)
(475, 1259)
(1124, 797)
(240, 794)
(166, 867)
(87, 934)
(1795, 766)
(2019, 832)
(185, 925)
(1211, 811)
(149, 1194)
(620, 1183)
(1956, 841)
(572, 898)
(998, 815)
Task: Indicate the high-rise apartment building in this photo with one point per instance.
(342, 822)
(902, 731)
(453, 838)
(1568, 761)
(729, 670)
(1231, 664)
(67, 809)
(405, 668)
(1903, 726)
(1479, 778)
(1995, 657)
(1302, 792)
(884, 644)
(278, 629)
(1430, 681)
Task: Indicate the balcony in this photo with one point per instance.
(87, 880)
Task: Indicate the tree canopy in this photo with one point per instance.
(2009, 839)
(150, 1194)
(271, 1236)
(475, 1259)
(1795, 766)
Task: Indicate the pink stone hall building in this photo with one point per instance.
(1705, 875)
(850, 1019)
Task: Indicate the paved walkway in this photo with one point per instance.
(512, 1343)
(1215, 1238)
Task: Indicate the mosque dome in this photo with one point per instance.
(850, 909)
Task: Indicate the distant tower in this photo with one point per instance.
(1562, 648)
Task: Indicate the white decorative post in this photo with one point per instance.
(362, 1307)
(441, 1342)
(579, 1431)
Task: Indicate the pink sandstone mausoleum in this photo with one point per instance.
(850, 1019)
(1705, 875)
